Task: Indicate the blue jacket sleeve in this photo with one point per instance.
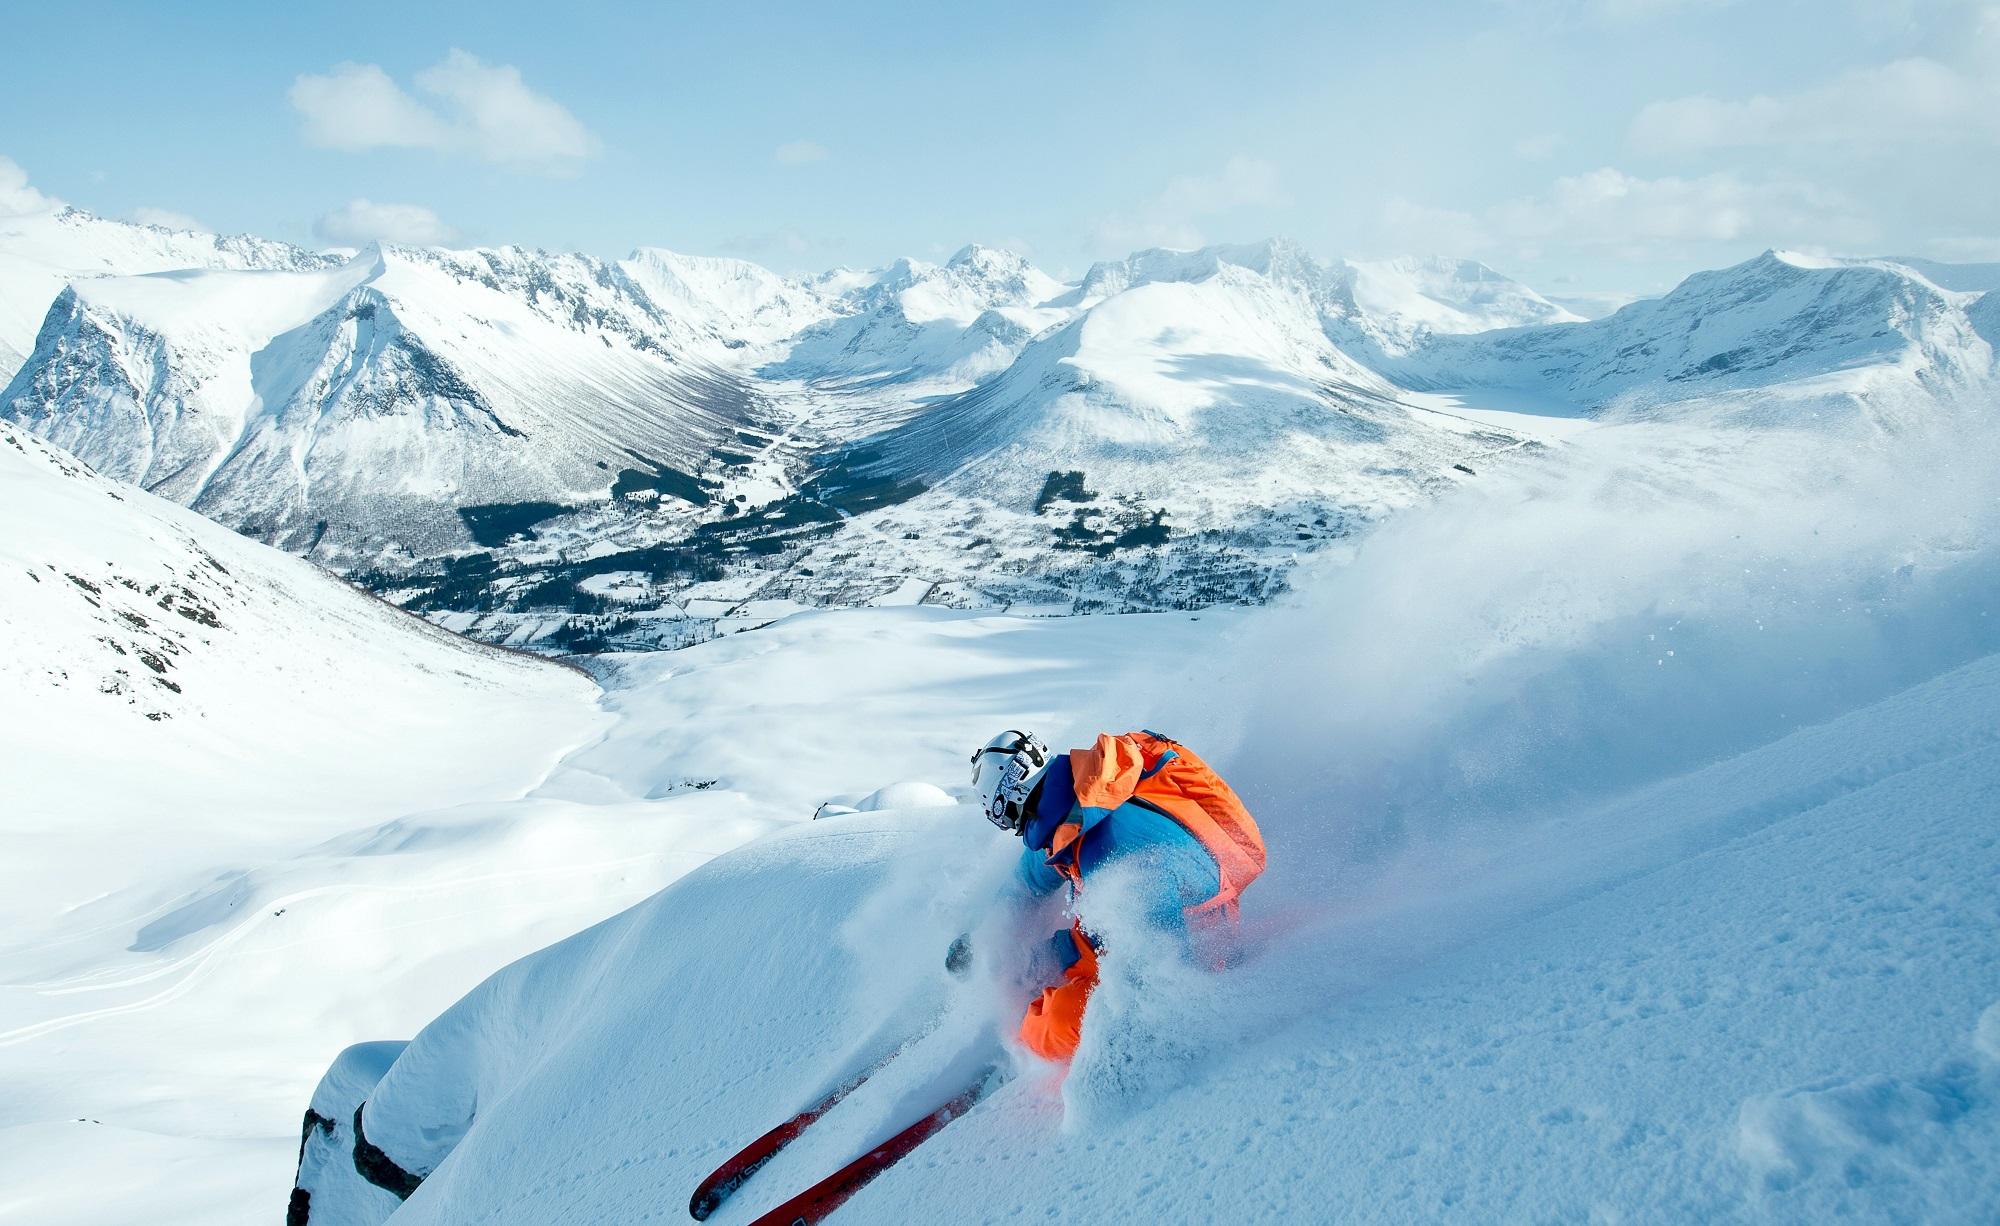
(1035, 875)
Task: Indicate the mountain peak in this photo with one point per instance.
(976, 255)
(1279, 259)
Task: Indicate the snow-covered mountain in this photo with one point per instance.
(1187, 428)
(953, 323)
(1369, 306)
(744, 304)
(1407, 300)
(541, 449)
(1193, 427)
(360, 407)
(44, 249)
(1778, 319)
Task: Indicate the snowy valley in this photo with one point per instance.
(566, 454)
(587, 454)
(1620, 700)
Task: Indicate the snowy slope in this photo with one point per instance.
(43, 250)
(1855, 326)
(1884, 1098)
(152, 652)
(747, 305)
(1200, 401)
(1390, 306)
(180, 707)
(351, 820)
(1688, 1030)
(1626, 865)
(361, 406)
(1409, 298)
(952, 323)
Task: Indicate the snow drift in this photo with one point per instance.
(207, 749)
(157, 653)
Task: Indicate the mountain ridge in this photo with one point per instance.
(41, 250)
(548, 448)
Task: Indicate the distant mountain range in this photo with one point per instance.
(572, 453)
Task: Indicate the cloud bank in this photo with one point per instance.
(147, 215)
(16, 197)
(477, 109)
(361, 221)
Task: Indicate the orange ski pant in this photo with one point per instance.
(1054, 1021)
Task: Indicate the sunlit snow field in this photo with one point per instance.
(1630, 814)
(218, 937)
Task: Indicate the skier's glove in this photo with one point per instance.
(958, 959)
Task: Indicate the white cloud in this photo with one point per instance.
(770, 242)
(357, 107)
(146, 215)
(1887, 106)
(799, 152)
(1126, 234)
(1411, 226)
(1647, 10)
(484, 110)
(16, 197)
(361, 221)
(1599, 13)
(505, 120)
(1242, 182)
(1966, 249)
(1608, 208)
(1172, 218)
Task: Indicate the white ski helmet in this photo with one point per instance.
(1005, 771)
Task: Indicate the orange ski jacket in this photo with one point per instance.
(1156, 773)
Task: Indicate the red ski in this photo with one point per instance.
(728, 1177)
(815, 1203)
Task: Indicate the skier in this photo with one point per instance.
(1136, 797)
(1133, 794)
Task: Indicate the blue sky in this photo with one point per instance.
(1583, 145)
